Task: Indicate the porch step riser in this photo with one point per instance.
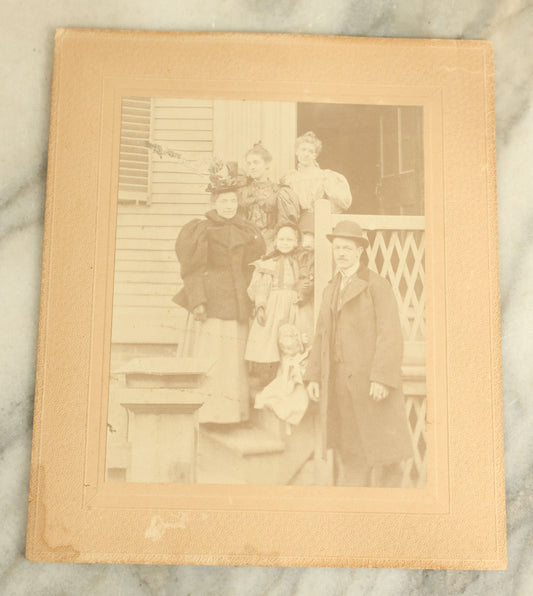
(218, 463)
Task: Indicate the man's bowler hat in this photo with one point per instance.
(348, 229)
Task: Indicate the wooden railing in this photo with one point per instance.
(396, 251)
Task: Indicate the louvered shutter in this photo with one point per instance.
(146, 268)
(134, 167)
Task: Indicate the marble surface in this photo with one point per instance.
(26, 44)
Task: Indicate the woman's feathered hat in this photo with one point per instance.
(225, 177)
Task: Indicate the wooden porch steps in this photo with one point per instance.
(256, 452)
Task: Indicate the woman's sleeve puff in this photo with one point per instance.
(191, 250)
(288, 205)
(288, 178)
(337, 190)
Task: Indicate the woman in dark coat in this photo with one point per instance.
(215, 255)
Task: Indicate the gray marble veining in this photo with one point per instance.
(26, 45)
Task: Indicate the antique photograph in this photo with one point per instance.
(268, 321)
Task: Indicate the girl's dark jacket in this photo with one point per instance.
(215, 254)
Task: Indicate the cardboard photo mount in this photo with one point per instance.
(458, 519)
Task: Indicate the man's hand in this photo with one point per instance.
(200, 313)
(313, 390)
(378, 391)
(260, 315)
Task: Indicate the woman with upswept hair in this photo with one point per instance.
(264, 203)
(311, 183)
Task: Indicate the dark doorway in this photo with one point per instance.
(379, 149)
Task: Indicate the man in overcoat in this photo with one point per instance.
(354, 369)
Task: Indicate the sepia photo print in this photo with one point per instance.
(268, 322)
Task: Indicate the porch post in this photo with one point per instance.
(162, 397)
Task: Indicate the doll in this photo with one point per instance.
(286, 395)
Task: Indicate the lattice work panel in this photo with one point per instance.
(398, 255)
(414, 469)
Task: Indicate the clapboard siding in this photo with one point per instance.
(169, 176)
(153, 265)
(146, 277)
(160, 256)
(156, 325)
(146, 268)
(172, 117)
(166, 202)
(145, 245)
(171, 199)
(146, 289)
(149, 303)
(160, 206)
(158, 219)
(179, 187)
(162, 166)
(167, 232)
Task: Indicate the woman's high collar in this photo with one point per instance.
(302, 168)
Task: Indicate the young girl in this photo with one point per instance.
(274, 291)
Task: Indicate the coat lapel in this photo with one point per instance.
(333, 292)
(355, 286)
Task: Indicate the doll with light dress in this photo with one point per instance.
(286, 395)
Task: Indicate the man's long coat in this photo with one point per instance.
(366, 323)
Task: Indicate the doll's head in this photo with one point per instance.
(306, 225)
(308, 241)
(289, 340)
(287, 238)
(258, 161)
